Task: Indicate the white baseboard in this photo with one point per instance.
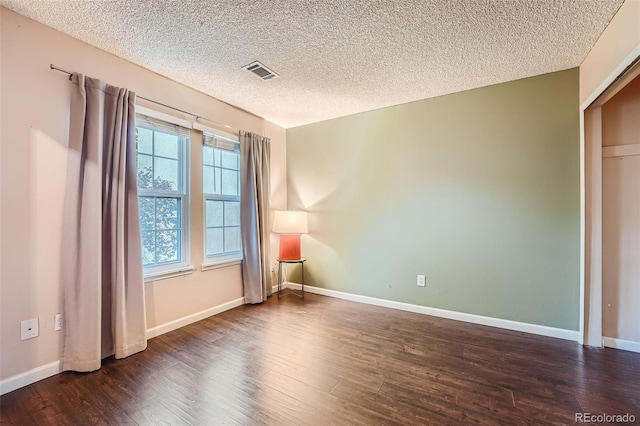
(53, 368)
(625, 345)
(34, 375)
(190, 319)
(541, 330)
(44, 371)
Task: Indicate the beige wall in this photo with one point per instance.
(620, 39)
(621, 217)
(621, 116)
(34, 120)
(478, 190)
(621, 248)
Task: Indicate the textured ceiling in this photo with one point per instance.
(334, 57)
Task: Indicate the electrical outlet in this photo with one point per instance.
(58, 323)
(422, 281)
(29, 329)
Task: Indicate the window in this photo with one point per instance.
(162, 169)
(221, 188)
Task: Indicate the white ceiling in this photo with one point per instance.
(334, 57)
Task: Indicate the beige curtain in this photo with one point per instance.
(102, 284)
(254, 216)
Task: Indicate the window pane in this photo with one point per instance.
(166, 145)
(145, 171)
(207, 180)
(231, 239)
(229, 159)
(167, 246)
(214, 215)
(161, 167)
(222, 217)
(232, 213)
(165, 174)
(144, 140)
(146, 207)
(217, 181)
(207, 155)
(229, 182)
(214, 241)
(167, 213)
(148, 247)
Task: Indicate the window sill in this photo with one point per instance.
(163, 275)
(220, 264)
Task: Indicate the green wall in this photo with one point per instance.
(477, 190)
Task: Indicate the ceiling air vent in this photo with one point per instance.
(260, 70)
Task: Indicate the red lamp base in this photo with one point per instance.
(289, 247)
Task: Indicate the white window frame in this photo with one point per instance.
(225, 259)
(183, 265)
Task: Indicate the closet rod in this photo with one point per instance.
(198, 117)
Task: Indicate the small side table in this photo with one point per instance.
(280, 262)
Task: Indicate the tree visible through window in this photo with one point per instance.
(162, 196)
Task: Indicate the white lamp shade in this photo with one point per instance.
(290, 222)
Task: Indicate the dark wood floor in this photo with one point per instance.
(322, 361)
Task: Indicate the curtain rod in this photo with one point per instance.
(198, 117)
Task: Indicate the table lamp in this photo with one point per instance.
(290, 224)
